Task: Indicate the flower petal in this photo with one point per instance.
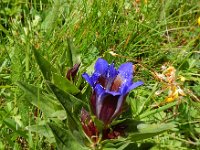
(113, 93)
(110, 76)
(109, 104)
(127, 87)
(126, 71)
(99, 98)
(101, 66)
(88, 79)
(117, 84)
(119, 105)
(134, 85)
(112, 72)
(124, 92)
(93, 102)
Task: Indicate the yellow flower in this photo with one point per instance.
(182, 78)
(198, 21)
(169, 99)
(168, 80)
(174, 92)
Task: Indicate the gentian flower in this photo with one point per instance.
(110, 89)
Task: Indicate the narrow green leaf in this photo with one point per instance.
(69, 53)
(34, 96)
(149, 130)
(124, 146)
(43, 130)
(148, 99)
(44, 65)
(74, 55)
(51, 19)
(155, 128)
(71, 104)
(116, 144)
(60, 114)
(137, 130)
(4, 30)
(154, 111)
(63, 59)
(64, 84)
(65, 98)
(64, 138)
(12, 125)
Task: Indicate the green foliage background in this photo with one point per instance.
(67, 31)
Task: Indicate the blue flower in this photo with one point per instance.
(110, 88)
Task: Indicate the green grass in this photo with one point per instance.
(148, 34)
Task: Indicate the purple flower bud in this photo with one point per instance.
(71, 73)
(110, 88)
(88, 126)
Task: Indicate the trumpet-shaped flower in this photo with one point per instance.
(110, 88)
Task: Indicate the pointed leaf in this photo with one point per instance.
(13, 126)
(69, 54)
(47, 105)
(149, 130)
(117, 144)
(44, 65)
(74, 55)
(64, 138)
(137, 130)
(43, 130)
(70, 103)
(154, 111)
(66, 99)
(52, 16)
(64, 84)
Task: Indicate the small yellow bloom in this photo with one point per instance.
(198, 21)
(169, 84)
(182, 78)
(172, 94)
(169, 99)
